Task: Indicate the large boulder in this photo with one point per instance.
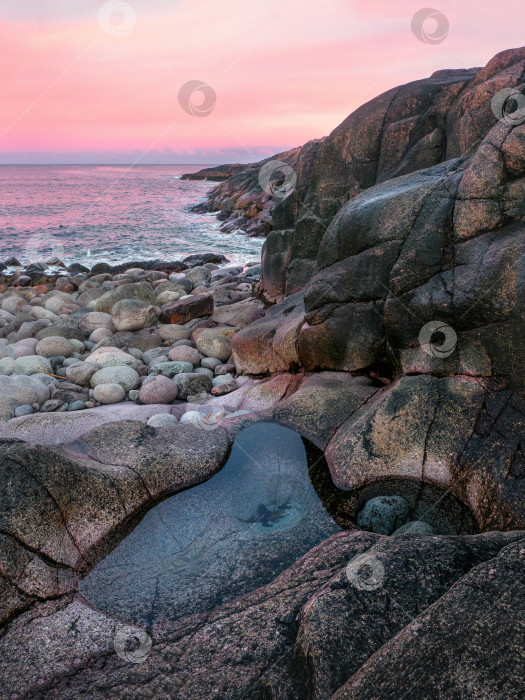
(127, 377)
(455, 432)
(133, 315)
(270, 344)
(159, 390)
(111, 357)
(240, 314)
(20, 391)
(140, 291)
(187, 309)
(213, 343)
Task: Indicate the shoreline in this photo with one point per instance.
(91, 215)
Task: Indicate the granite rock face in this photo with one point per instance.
(318, 627)
(407, 129)
(243, 204)
(480, 615)
(406, 265)
(388, 242)
(61, 508)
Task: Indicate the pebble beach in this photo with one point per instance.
(152, 333)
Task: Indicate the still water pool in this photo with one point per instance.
(209, 544)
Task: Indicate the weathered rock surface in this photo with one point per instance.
(481, 616)
(406, 129)
(242, 202)
(187, 309)
(62, 428)
(408, 197)
(453, 431)
(133, 315)
(322, 403)
(140, 291)
(270, 344)
(304, 635)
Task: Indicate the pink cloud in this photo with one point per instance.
(283, 71)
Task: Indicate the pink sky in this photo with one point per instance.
(284, 71)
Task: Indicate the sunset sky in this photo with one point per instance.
(83, 84)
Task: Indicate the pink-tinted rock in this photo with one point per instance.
(224, 389)
(159, 390)
(184, 353)
(186, 310)
(240, 314)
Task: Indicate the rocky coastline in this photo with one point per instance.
(386, 325)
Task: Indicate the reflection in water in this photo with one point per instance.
(91, 214)
(216, 541)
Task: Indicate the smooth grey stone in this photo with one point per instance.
(25, 410)
(383, 514)
(76, 406)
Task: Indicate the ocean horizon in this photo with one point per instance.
(110, 213)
